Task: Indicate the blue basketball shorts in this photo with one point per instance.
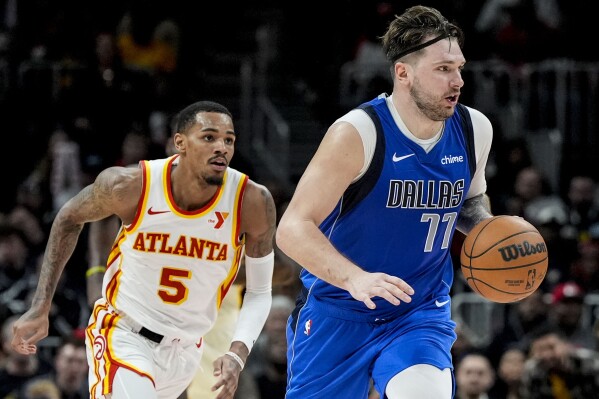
(334, 353)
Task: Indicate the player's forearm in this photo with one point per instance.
(61, 244)
(304, 243)
(257, 300)
(474, 210)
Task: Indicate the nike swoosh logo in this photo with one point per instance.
(439, 304)
(397, 159)
(151, 212)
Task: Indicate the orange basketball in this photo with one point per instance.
(504, 258)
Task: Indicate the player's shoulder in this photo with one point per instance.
(255, 191)
(356, 117)
(258, 208)
(480, 123)
(119, 177)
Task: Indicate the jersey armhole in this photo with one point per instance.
(468, 131)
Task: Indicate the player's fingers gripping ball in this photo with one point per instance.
(504, 259)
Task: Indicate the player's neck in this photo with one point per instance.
(190, 194)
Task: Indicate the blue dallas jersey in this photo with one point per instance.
(400, 217)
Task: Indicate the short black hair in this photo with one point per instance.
(186, 117)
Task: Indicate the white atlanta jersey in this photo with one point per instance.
(170, 269)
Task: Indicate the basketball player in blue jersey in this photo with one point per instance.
(371, 222)
(186, 222)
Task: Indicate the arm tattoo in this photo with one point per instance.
(474, 210)
(59, 248)
(264, 243)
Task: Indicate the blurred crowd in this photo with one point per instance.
(84, 87)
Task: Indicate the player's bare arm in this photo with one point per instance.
(258, 220)
(258, 225)
(112, 192)
(335, 165)
(474, 210)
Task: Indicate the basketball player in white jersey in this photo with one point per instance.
(187, 220)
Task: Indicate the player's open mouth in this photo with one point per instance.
(219, 163)
(452, 99)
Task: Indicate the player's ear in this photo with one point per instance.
(179, 140)
(402, 72)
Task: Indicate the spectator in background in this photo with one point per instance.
(527, 186)
(148, 40)
(41, 388)
(510, 157)
(66, 178)
(136, 146)
(566, 314)
(29, 212)
(582, 207)
(122, 97)
(16, 267)
(509, 374)
(463, 343)
(522, 319)
(531, 192)
(474, 377)
(556, 369)
(584, 270)
(70, 370)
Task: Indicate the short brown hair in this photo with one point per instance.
(411, 28)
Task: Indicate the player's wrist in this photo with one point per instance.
(237, 359)
(241, 349)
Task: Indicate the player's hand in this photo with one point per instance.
(365, 286)
(227, 370)
(29, 329)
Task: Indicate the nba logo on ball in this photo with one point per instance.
(504, 259)
(531, 279)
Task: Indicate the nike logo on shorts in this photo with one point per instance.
(397, 159)
(439, 304)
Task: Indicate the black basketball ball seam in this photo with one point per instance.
(507, 268)
(500, 241)
(491, 220)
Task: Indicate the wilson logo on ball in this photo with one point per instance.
(514, 251)
(504, 258)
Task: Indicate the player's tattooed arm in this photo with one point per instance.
(94, 202)
(61, 243)
(474, 210)
(258, 220)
